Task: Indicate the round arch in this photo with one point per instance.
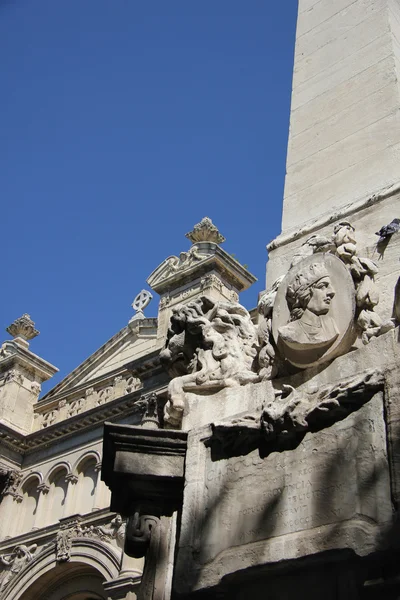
(55, 469)
(91, 563)
(89, 455)
(27, 481)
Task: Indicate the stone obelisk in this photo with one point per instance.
(343, 160)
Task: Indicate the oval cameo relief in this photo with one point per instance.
(313, 316)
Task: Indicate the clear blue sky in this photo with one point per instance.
(122, 124)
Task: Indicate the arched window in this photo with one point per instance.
(57, 496)
(30, 497)
(86, 486)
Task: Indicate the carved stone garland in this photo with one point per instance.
(311, 336)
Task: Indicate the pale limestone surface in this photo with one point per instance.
(344, 128)
(245, 510)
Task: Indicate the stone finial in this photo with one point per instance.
(23, 328)
(140, 302)
(205, 231)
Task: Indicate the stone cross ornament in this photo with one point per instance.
(142, 300)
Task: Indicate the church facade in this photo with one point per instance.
(216, 452)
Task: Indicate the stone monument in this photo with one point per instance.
(288, 418)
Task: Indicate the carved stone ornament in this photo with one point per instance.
(15, 562)
(12, 482)
(210, 345)
(314, 310)
(23, 327)
(142, 300)
(290, 340)
(174, 264)
(205, 231)
(114, 534)
(287, 418)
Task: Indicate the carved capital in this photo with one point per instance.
(71, 478)
(43, 488)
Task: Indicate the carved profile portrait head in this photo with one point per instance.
(310, 318)
(312, 290)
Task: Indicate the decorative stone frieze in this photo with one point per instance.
(72, 529)
(92, 397)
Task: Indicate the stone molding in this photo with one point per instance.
(96, 395)
(106, 554)
(89, 420)
(342, 213)
(72, 382)
(174, 272)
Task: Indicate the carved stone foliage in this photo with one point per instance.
(210, 345)
(314, 312)
(113, 533)
(149, 405)
(363, 271)
(285, 419)
(92, 397)
(15, 562)
(23, 327)
(205, 231)
(10, 481)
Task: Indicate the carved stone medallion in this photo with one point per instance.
(313, 315)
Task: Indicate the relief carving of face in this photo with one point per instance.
(311, 322)
(322, 293)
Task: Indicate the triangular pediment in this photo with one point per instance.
(176, 266)
(129, 344)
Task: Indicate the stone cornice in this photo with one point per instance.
(14, 354)
(115, 409)
(327, 218)
(67, 384)
(212, 258)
